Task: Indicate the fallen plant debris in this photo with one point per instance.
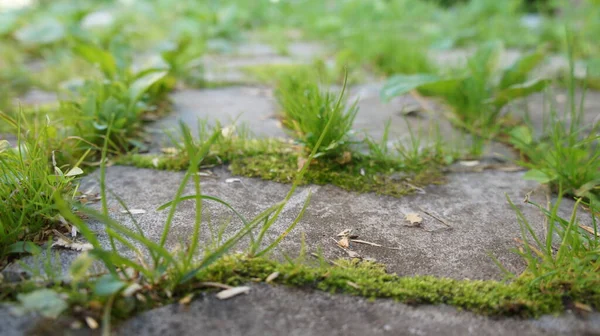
(413, 218)
(133, 211)
(72, 245)
(232, 292)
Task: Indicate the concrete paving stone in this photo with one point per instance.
(550, 67)
(229, 68)
(473, 205)
(276, 310)
(37, 97)
(273, 310)
(254, 107)
(539, 107)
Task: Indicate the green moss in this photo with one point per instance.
(354, 277)
(275, 160)
(370, 280)
(361, 174)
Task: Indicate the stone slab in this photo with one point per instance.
(538, 108)
(254, 107)
(274, 310)
(473, 205)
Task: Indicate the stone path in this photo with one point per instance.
(465, 221)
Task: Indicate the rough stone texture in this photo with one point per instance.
(550, 67)
(228, 68)
(275, 310)
(472, 204)
(538, 108)
(253, 107)
(37, 97)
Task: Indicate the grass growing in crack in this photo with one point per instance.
(479, 93)
(28, 184)
(565, 259)
(306, 111)
(567, 154)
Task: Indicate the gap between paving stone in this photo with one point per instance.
(256, 107)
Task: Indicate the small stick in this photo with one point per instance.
(365, 242)
(213, 284)
(435, 217)
(424, 104)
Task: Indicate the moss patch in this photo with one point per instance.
(274, 160)
(370, 280)
(354, 277)
(362, 174)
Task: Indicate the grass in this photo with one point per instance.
(28, 185)
(565, 155)
(478, 93)
(307, 110)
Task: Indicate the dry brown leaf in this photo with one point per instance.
(186, 299)
(231, 292)
(353, 254)
(343, 242)
(345, 233)
(272, 277)
(61, 242)
(170, 150)
(469, 163)
(131, 289)
(134, 211)
(365, 242)
(414, 218)
(345, 158)
(589, 230)
(583, 307)
(301, 162)
(92, 324)
(140, 297)
(353, 284)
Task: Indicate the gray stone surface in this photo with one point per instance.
(538, 108)
(550, 67)
(276, 310)
(253, 107)
(37, 97)
(229, 68)
(473, 205)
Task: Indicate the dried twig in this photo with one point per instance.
(212, 284)
(435, 217)
(365, 242)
